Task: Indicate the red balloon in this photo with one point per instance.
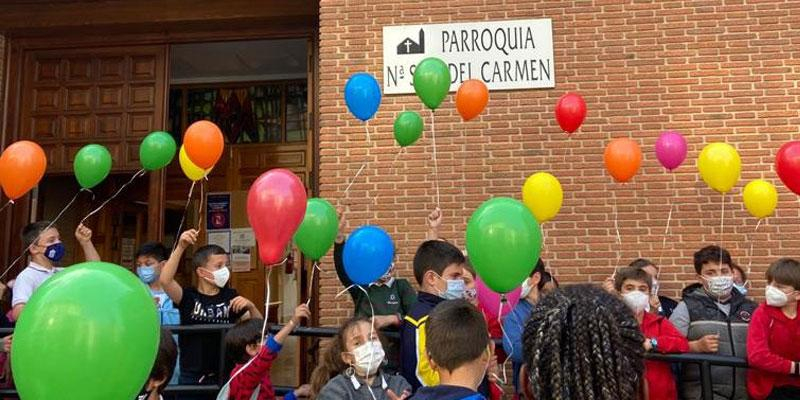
(787, 163)
(276, 205)
(570, 112)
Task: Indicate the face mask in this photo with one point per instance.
(146, 273)
(470, 294)
(636, 300)
(776, 297)
(741, 288)
(455, 289)
(55, 252)
(526, 289)
(221, 276)
(720, 286)
(369, 357)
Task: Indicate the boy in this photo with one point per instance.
(45, 249)
(714, 317)
(438, 269)
(458, 348)
(211, 302)
(162, 368)
(662, 305)
(635, 285)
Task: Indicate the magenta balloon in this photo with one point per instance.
(671, 149)
(490, 300)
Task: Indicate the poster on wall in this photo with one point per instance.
(128, 248)
(515, 54)
(242, 242)
(221, 238)
(218, 211)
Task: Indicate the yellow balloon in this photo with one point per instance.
(193, 172)
(760, 198)
(719, 166)
(542, 195)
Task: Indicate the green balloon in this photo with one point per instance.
(503, 242)
(318, 230)
(92, 164)
(157, 150)
(89, 332)
(432, 81)
(407, 128)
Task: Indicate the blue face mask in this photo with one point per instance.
(55, 252)
(146, 273)
(741, 288)
(455, 289)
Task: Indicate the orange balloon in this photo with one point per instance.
(471, 98)
(22, 166)
(623, 157)
(204, 143)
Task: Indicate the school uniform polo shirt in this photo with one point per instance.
(29, 280)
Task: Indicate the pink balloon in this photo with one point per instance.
(490, 300)
(276, 205)
(671, 149)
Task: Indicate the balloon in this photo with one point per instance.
(204, 143)
(92, 165)
(22, 166)
(542, 195)
(760, 198)
(368, 254)
(623, 158)
(193, 172)
(503, 242)
(432, 81)
(570, 112)
(157, 150)
(362, 95)
(471, 98)
(719, 166)
(671, 149)
(787, 163)
(490, 300)
(276, 205)
(92, 330)
(318, 230)
(407, 128)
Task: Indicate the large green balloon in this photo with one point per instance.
(92, 164)
(407, 128)
(318, 230)
(503, 243)
(157, 150)
(432, 81)
(89, 332)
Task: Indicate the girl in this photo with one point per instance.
(351, 367)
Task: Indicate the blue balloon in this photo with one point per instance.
(362, 95)
(368, 254)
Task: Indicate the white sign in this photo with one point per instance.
(503, 54)
(221, 238)
(242, 242)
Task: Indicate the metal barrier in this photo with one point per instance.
(704, 361)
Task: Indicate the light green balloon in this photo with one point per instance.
(157, 150)
(92, 165)
(503, 242)
(90, 332)
(407, 128)
(432, 81)
(318, 230)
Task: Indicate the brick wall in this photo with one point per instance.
(715, 70)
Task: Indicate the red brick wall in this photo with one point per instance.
(715, 70)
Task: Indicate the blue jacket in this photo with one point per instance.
(514, 326)
(446, 392)
(414, 364)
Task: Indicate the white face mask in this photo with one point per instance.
(526, 288)
(720, 286)
(636, 300)
(655, 287)
(368, 357)
(221, 276)
(776, 297)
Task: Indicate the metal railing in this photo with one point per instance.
(704, 361)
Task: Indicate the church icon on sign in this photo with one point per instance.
(408, 46)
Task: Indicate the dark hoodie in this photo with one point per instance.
(446, 392)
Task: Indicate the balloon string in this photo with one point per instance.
(183, 216)
(352, 181)
(666, 230)
(314, 269)
(52, 223)
(121, 188)
(616, 227)
(435, 161)
(503, 301)
(750, 253)
(394, 162)
(10, 202)
(722, 227)
(200, 214)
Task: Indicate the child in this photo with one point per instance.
(740, 281)
(774, 333)
(46, 250)
(210, 303)
(351, 367)
(243, 345)
(150, 259)
(662, 305)
(162, 368)
(439, 271)
(488, 387)
(459, 348)
(635, 284)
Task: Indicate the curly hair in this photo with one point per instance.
(583, 343)
(331, 363)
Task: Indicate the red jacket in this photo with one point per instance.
(772, 345)
(256, 375)
(660, 381)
